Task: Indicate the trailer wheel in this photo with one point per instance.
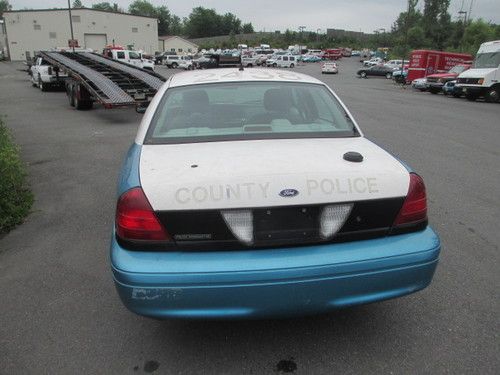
(492, 95)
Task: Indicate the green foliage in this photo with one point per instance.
(15, 197)
(104, 6)
(204, 22)
(4, 6)
(77, 4)
(247, 28)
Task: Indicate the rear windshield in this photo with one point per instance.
(250, 110)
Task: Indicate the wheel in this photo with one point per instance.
(470, 96)
(363, 74)
(432, 90)
(292, 65)
(492, 95)
(456, 95)
(71, 98)
(388, 75)
(174, 65)
(41, 85)
(249, 65)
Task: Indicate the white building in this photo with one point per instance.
(176, 44)
(43, 29)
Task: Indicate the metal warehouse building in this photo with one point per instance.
(35, 30)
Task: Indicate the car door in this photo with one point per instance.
(134, 58)
(373, 71)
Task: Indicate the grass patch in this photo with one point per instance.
(15, 196)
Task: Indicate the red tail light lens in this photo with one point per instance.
(414, 208)
(136, 220)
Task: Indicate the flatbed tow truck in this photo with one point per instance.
(93, 78)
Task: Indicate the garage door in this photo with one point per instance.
(95, 41)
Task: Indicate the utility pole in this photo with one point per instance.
(71, 26)
(301, 29)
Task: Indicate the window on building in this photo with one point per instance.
(76, 19)
(120, 55)
(172, 49)
(179, 50)
(37, 27)
(135, 30)
(52, 35)
(190, 50)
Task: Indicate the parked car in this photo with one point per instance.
(394, 64)
(435, 82)
(355, 53)
(186, 63)
(419, 84)
(340, 223)
(311, 58)
(329, 67)
(250, 61)
(285, 61)
(451, 88)
(45, 75)
(158, 59)
(173, 61)
(374, 61)
(376, 70)
(130, 57)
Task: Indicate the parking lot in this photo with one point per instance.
(60, 314)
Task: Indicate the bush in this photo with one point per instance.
(15, 196)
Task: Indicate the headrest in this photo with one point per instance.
(194, 99)
(277, 100)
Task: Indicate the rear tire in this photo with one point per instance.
(292, 65)
(492, 95)
(174, 65)
(363, 74)
(388, 76)
(433, 91)
(275, 65)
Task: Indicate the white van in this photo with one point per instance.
(483, 79)
(131, 57)
(285, 61)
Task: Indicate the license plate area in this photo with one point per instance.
(286, 224)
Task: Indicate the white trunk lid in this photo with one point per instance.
(240, 174)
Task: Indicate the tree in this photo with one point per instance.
(77, 4)
(104, 6)
(142, 8)
(4, 6)
(477, 32)
(247, 28)
(416, 37)
(436, 21)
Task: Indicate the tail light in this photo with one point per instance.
(136, 220)
(414, 208)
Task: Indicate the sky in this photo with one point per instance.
(316, 15)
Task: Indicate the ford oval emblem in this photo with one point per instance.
(288, 193)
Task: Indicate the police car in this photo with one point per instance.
(253, 193)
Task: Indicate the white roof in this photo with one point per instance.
(488, 47)
(235, 75)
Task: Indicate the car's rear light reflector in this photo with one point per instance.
(136, 220)
(414, 208)
(332, 218)
(240, 223)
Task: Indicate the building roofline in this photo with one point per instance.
(75, 9)
(168, 37)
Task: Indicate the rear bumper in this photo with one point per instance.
(273, 282)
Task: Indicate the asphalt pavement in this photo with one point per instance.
(60, 314)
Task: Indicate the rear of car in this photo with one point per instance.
(254, 194)
(329, 67)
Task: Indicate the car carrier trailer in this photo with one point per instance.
(96, 78)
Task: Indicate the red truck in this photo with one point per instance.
(426, 62)
(332, 53)
(435, 82)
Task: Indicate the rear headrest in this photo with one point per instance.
(194, 99)
(277, 100)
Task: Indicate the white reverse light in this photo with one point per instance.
(332, 218)
(240, 222)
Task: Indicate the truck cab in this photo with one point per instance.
(44, 75)
(130, 57)
(435, 82)
(483, 79)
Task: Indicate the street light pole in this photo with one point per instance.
(71, 26)
(301, 29)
